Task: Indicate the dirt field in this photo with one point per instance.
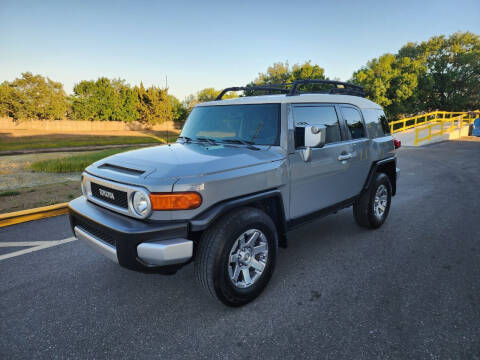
(15, 172)
(41, 195)
(21, 188)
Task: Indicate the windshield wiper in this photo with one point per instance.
(185, 138)
(243, 142)
(204, 139)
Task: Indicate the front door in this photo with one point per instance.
(322, 181)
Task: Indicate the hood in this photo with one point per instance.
(180, 160)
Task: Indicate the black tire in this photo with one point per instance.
(363, 208)
(212, 258)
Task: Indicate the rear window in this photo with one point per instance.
(353, 119)
(376, 122)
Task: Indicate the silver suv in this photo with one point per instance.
(242, 174)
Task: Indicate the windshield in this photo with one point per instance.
(254, 124)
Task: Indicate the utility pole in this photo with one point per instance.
(166, 89)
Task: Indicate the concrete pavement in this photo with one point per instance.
(410, 289)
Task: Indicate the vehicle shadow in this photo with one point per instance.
(308, 247)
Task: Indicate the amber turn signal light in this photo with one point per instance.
(175, 201)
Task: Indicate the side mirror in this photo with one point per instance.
(314, 137)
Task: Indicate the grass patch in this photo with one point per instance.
(9, 193)
(50, 142)
(75, 163)
(41, 195)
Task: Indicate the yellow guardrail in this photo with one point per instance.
(18, 217)
(439, 128)
(436, 123)
(431, 117)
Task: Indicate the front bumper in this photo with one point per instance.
(139, 245)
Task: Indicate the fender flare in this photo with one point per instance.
(374, 168)
(214, 212)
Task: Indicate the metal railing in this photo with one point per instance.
(439, 128)
(436, 123)
(431, 117)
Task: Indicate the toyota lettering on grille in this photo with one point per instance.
(106, 194)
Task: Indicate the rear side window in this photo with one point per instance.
(353, 120)
(377, 124)
(316, 115)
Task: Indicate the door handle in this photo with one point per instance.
(343, 157)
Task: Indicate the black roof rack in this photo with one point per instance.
(264, 88)
(342, 88)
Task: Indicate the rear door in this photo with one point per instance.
(357, 162)
(323, 181)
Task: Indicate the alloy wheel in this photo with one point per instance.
(248, 258)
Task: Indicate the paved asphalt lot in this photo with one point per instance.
(408, 290)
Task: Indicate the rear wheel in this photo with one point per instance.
(236, 256)
(373, 206)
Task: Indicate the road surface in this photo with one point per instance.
(410, 289)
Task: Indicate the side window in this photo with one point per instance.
(376, 122)
(383, 121)
(353, 120)
(316, 115)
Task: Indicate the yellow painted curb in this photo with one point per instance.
(33, 214)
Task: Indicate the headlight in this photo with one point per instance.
(82, 185)
(141, 203)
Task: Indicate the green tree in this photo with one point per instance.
(33, 97)
(204, 95)
(189, 102)
(389, 81)
(306, 71)
(278, 73)
(282, 72)
(210, 94)
(104, 99)
(440, 73)
(153, 106)
(451, 80)
(207, 94)
(179, 111)
(5, 99)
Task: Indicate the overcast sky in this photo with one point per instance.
(198, 44)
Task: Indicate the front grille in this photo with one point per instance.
(95, 230)
(109, 195)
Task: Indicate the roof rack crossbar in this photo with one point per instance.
(240, 88)
(340, 88)
(347, 87)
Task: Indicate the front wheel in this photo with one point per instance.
(236, 256)
(372, 208)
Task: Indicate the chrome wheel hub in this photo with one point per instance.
(248, 258)
(380, 202)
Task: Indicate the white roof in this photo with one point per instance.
(295, 99)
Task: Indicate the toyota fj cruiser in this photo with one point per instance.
(242, 173)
